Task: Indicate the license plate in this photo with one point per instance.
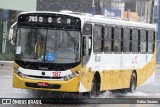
(44, 84)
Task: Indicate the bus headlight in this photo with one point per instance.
(74, 74)
(65, 78)
(68, 77)
(19, 73)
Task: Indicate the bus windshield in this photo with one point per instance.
(48, 45)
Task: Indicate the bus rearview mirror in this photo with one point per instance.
(11, 33)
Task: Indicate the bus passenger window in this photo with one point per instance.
(143, 41)
(150, 41)
(108, 39)
(126, 40)
(134, 40)
(97, 38)
(117, 39)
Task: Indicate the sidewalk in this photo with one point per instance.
(6, 66)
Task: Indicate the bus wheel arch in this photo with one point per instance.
(96, 84)
(133, 81)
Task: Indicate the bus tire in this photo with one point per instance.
(95, 88)
(133, 83)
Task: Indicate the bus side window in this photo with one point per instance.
(108, 39)
(135, 41)
(117, 39)
(87, 29)
(97, 38)
(143, 41)
(126, 40)
(151, 36)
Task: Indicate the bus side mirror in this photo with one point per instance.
(86, 45)
(11, 33)
(89, 43)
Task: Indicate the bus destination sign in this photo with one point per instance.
(47, 20)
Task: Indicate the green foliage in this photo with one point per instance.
(6, 57)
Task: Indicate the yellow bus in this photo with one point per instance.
(77, 52)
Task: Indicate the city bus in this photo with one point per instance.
(77, 52)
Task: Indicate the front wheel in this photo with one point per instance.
(133, 83)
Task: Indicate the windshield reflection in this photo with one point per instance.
(54, 46)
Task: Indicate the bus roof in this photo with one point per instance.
(87, 17)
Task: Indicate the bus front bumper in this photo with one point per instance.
(71, 85)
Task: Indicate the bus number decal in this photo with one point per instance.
(56, 74)
(97, 58)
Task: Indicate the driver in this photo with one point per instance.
(39, 47)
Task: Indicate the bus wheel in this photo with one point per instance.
(95, 88)
(133, 83)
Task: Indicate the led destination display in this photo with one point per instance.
(49, 20)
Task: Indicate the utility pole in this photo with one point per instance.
(5, 30)
(4, 36)
(97, 6)
(93, 8)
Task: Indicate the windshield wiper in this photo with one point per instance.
(71, 37)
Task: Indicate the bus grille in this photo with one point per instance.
(44, 77)
(50, 86)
